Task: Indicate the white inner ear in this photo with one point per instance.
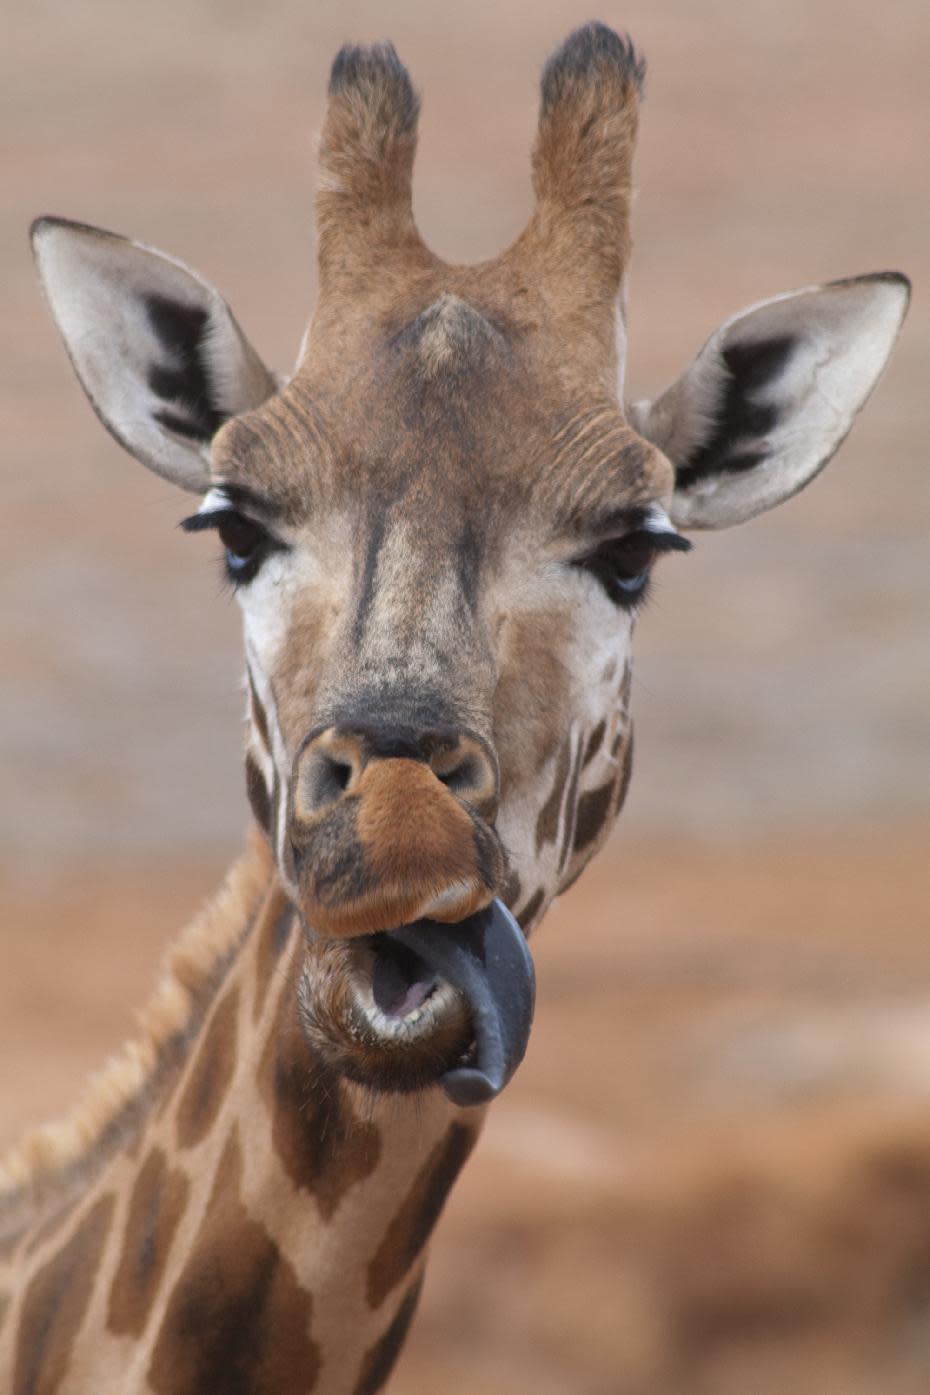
(803, 364)
(101, 289)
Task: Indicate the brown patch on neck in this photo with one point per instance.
(238, 1321)
(155, 1210)
(56, 1303)
(274, 933)
(211, 1074)
(379, 1360)
(323, 1146)
(412, 1225)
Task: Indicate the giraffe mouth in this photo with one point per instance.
(456, 998)
(486, 960)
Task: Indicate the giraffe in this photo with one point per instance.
(440, 530)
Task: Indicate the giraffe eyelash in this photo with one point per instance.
(623, 565)
(247, 543)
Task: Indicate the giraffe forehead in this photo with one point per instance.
(444, 409)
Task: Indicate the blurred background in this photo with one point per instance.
(713, 1172)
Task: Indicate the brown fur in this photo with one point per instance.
(379, 1361)
(324, 1147)
(275, 930)
(366, 162)
(55, 1303)
(238, 1318)
(155, 1210)
(210, 1075)
(409, 1230)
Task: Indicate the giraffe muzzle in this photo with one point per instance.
(426, 977)
(391, 827)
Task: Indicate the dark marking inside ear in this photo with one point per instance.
(586, 51)
(412, 1225)
(184, 385)
(379, 1361)
(55, 1305)
(737, 437)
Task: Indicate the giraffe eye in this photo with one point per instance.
(623, 565)
(246, 543)
(243, 541)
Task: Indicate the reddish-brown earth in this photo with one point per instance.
(712, 1174)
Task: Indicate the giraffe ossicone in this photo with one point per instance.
(440, 529)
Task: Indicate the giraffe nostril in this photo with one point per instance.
(340, 774)
(462, 777)
(468, 772)
(324, 779)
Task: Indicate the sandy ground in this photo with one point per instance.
(742, 981)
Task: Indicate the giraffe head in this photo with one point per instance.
(441, 529)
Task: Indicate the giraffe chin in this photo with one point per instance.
(427, 1004)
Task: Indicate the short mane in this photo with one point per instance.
(53, 1156)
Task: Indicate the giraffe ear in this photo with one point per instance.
(156, 349)
(771, 396)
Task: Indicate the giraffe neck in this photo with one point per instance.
(261, 1228)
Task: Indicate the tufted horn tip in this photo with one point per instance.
(373, 77)
(593, 53)
(583, 158)
(366, 155)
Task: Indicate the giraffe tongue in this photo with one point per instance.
(485, 958)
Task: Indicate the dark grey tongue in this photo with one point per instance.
(487, 959)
